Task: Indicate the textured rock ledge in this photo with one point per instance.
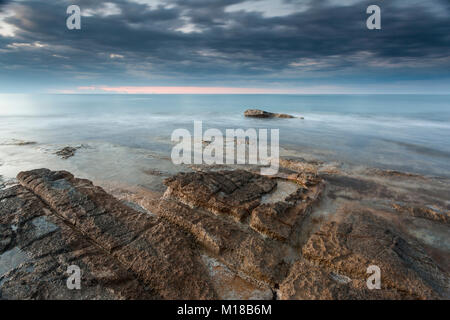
(309, 232)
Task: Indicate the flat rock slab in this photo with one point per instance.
(274, 205)
(37, 248)
(234, 193)
(242, 249)
(360, 239)
(214, 234)
(160, 255)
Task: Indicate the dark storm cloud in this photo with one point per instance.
(207, 39)
(2, 3)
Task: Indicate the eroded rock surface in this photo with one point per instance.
(309, 232)
(360, 239)
(239, 247)
(234, 193)
(36, 248)
(159, 255)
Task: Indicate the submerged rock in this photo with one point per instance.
(17, 142)
(67, 152)
(255, 113)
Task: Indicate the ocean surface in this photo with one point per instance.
(122, 135)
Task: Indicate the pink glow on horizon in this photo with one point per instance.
(187, 90)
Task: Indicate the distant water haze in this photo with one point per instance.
(400, 132)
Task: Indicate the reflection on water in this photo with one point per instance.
(128, 135)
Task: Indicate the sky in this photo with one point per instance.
(225, 46)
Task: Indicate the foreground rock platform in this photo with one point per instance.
(309, 232)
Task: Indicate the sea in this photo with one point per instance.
(122, 136)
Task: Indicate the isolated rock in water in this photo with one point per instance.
(159, 255)
(17, 142)
(255, 113)
(67, 152)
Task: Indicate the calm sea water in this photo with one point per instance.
(401, 132)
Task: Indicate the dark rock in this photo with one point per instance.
(17, 142)
(67, 152)
(255, 113)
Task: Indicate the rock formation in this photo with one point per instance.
(309, 232)
(67, 152)
(255, 113)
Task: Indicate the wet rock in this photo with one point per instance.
(41, 247)
(278, 220)
(309, 282)
(17, 142)
(229, 234)
(238, 247)
(255, 113)
(234, 193)
(431, 213)
(67, 152)
(231, 286)
(275, 220)
(160, 255)
(154, 172)
(359, 239)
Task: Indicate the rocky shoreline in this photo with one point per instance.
(310, 232)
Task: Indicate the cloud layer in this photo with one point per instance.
(281, 44)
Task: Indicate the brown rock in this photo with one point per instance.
(238, 247)
(36, 248)
(308, 282)
(360, 239)
(225, 234)
(278, 220)
(430, 213)
(275, 220)
(233, 193)
(160, 255)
